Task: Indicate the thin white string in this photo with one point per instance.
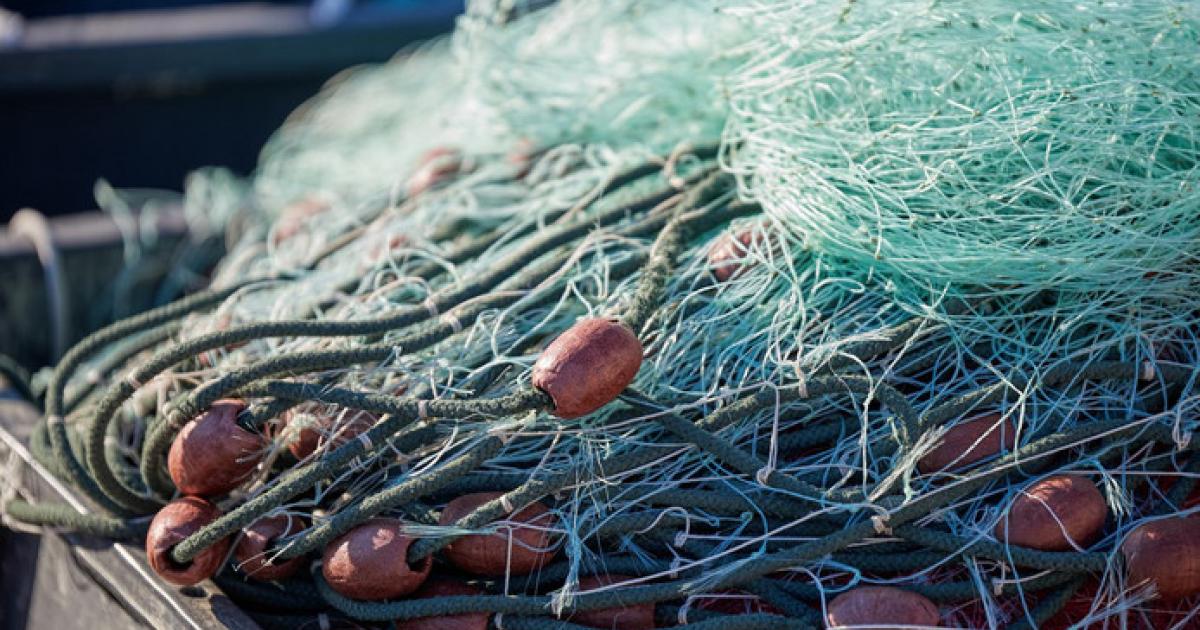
(764, 473)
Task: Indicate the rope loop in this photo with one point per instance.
(763, 475)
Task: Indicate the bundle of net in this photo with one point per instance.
(528, 354)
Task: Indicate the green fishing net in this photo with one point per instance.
(841, 232)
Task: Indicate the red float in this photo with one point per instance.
(213, 454)
(520, 547)
(175, 522)
(588, 366)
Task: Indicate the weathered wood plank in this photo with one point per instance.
(85, 582)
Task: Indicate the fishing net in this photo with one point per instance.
(740, 313)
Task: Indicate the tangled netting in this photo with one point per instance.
(933, 213)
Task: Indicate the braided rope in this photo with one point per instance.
(523, 280)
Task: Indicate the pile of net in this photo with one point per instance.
(704, 314)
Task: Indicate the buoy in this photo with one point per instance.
(727, 255)
(306, 429)
(260, 537)
(735, 603)
(1055, 514)
(1166, 554)
(519, 547)
(588, 366)
(521, 157)
(881, 608)
(968, 442)
(174, 522)
(371, 562)
(293, 217)
(383, 250)
(442, 587)
(212, 454)
(434, 167)
(631, 617)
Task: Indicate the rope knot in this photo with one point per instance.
(764, 475)
(880, 522)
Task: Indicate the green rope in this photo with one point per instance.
(667, 615)
(282, 596)
(67, 518)
(519, 605)
(395, 496)
(325, 395)
(1183, 487)
(303, 478)
(1047, 607)
(122, 355)
(15, 376)
(757, 621)
(160, 438)
(519, 278)
(666, 250)
(1069, 562)
(76, 472)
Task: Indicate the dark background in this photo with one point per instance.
(144, 113)
(141, 98)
